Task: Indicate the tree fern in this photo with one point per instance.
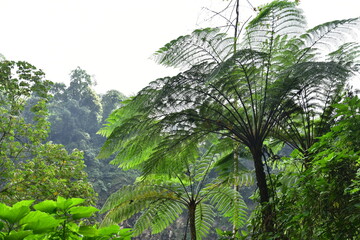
(270, 86)
(161, 196)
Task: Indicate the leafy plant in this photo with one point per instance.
(29, 167)
(161, 198)
(322, 202)
(61, 219)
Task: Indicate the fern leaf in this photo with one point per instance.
(347, 54)
(203, 219)
(203, 45)
(328, 36)
(158, 216)
(229, 203)
(130, 200)
(275, 19)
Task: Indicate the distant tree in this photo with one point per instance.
(110, 101)
(50, 173)
(76, 114)
(31, 168)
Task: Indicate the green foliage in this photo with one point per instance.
(61, 219)
(49, 173)
(122, 129)
(30, 168)
(322, 202)
(76, 110)
(161, 198)
(76, 114)
(18, 82)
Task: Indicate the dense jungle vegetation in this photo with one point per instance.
(256, 137)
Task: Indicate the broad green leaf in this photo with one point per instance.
(13, 214)
(82, 212)
(17, 235)
(73, 227)
(26, 203)
(107, 231)
(88, 231)
(37, 236)
(48, 206)
(4, 211)
(65, 204)
(39, 222)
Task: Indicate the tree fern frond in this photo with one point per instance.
(276, 18)
(135, 134)
(224, 167)
(204, 219)
(158, 216)
(183, 148)
(130, 200)
(312, 87)
(203, 45)
(115, 118)
(328, 36)
(130, 148)
(347, 54)
(229, 203)
(245, 178)
(123, 125)
(208, 159)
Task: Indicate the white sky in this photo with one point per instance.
(113, 39)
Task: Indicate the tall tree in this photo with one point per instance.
(30, 167)
(20, 81)
(236, 89)
(76, 111)
(76, 114)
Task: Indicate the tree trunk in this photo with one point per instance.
(236, 187)
(192, 209)
(267, 214)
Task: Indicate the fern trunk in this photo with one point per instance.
(192, 209)
(236, 187)
(267, 214)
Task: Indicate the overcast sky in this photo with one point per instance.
(114, 39)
